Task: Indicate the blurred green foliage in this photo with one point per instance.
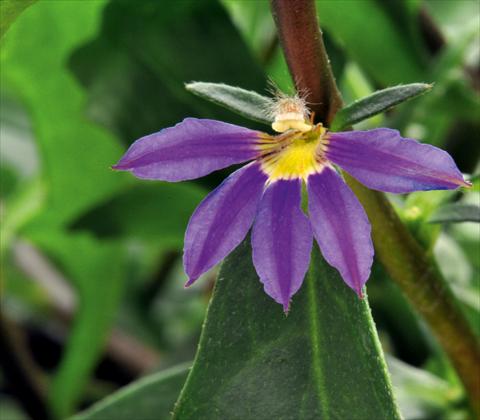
(82, 80)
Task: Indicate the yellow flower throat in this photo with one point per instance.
(294, 153)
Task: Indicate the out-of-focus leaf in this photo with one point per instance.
(244, 102)
(420, 394)
(255, 23)
(376, 103)
(25, 204)
(416, 211)
(156, 212)
(150, 398)
(135, 91)
(400, 328)
(10, 10)
(473, 178)
(11, 410)
(405, 17)
(453, 18)
(452, 101)
(97, 270)
(17, 147)
(75, 154)
(19, 288)
(383, 53)
(322, 361)
(456, 213)
(453, 260)
(8, 181)
(469, 298)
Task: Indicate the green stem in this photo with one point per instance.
(403, 258)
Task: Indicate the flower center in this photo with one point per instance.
(293, 154)
(290, 112)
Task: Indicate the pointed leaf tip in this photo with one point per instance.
(247, 103)
(376, 103)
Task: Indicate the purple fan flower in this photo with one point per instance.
(267, 191)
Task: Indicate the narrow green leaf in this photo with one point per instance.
(10, 10)
(244, 102)
(456, 213)
(376, 103)
(323, 360)
(98, 272)
(150, 398)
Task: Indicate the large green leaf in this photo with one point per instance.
(321, 361)
(97, 271)
(75, 154)
(150, 398)
(136, 91)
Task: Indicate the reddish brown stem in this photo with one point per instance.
(302, 43)
(404, 259)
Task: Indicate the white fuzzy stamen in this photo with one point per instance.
(290, 112)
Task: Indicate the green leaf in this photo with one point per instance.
(150, 398)
(155, 212)
(255, 22)
(244, 102)
(24, 205)
(450, 105)
(10, 10)
(421, 395)
(321, 361)
(380, 101)
(456, 213)
(75, 154)
(384, 53)
(97, 271)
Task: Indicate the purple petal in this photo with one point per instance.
(282, 241)
(340, 227)
(191, 149)
(384, 161)
(222, 220)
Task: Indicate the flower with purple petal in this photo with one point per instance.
(267, 191)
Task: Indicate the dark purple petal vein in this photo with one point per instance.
(222, 220)
(341, 227)
(190, 149)
(282, 241)
(383, 160)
